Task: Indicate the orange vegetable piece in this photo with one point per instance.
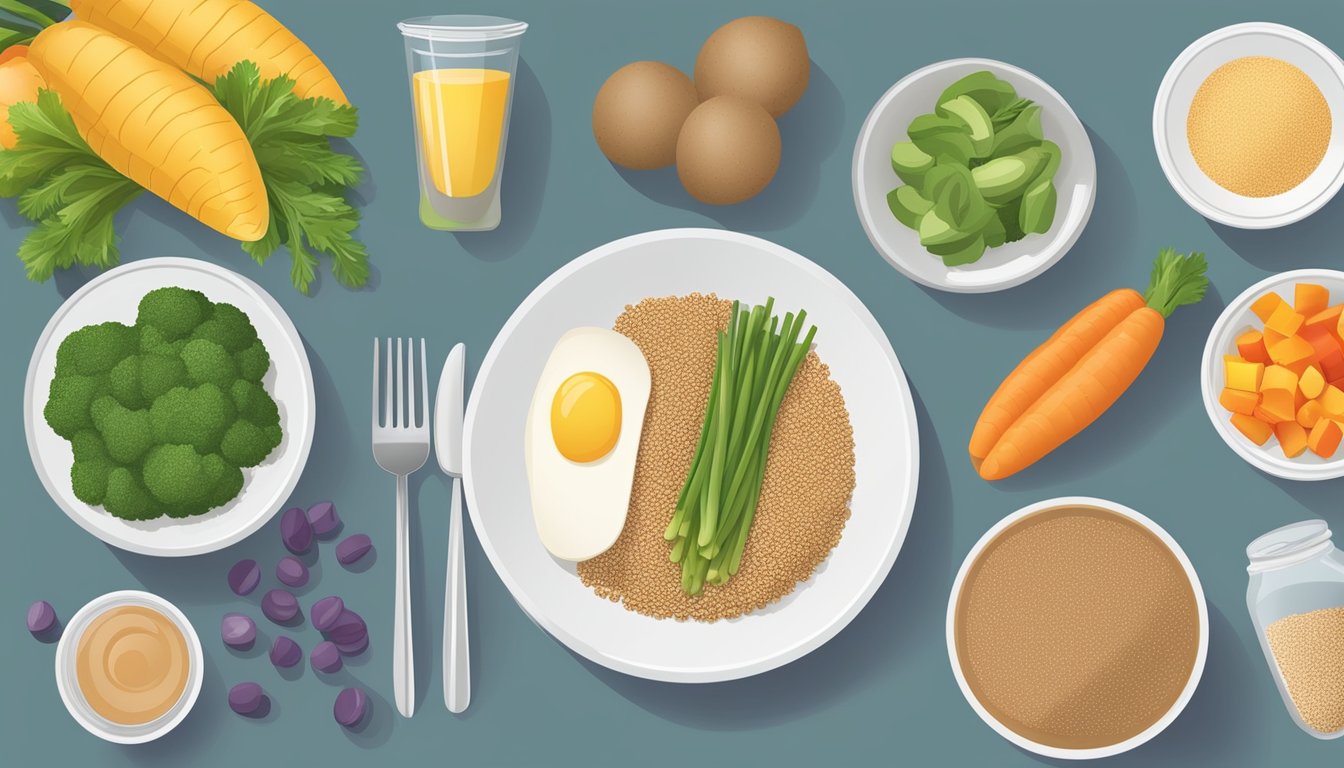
(1332, 401)
(1285, 320)
(1327, 318)
(1265, 305)
(1278, 405)
(1271, 337)
(1292, 438)
(1255, 430)
(1293, 349)
(1251, 346)
(1311, 382)
(1242, 374)
(1310, 298)
(1237, 401)
(1278, 377)
(1324, 438)
(1310, 412)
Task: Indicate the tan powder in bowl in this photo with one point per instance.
(809, 475)
(1258, 126)
(1077, 628)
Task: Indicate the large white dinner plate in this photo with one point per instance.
(114, 296)
(593, 290)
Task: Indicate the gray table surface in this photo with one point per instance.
(880, 691)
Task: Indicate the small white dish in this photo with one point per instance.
(1177, 92)
(68, 685)
(1196, 672)
(1003, 267)
(115, 295)
(1238, 319)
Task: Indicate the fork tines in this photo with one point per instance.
(405, 405)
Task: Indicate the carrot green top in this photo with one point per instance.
(1177, 280)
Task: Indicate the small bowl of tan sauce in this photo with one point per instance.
(128, 667)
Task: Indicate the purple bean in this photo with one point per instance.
(291, 571)
(323, 518)
(285, 652)
(244, 577)
(295, 531)
(245, 698)
(237, 630)
(279, 606)
(349, 627)
(352, 548)
(41, 617)
(353, 648)
(325, 612)
(326, 657)
(351, 706)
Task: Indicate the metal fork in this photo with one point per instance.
(401, 446)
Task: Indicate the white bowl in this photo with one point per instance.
(1196, 672)
(1003, 267)
(1177, 91)
(68, 686)
(1235, 320)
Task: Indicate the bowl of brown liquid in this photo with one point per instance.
(1077, 628)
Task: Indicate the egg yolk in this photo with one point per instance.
(586, 417)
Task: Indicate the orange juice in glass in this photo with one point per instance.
(462, 78)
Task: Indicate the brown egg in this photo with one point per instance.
(755, 57)
(639, 111)
(728, 150)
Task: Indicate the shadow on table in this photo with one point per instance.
(527, 163)
(1312, 242)
(912, 599)
(182, 745)
(1321, 498)
(810, 132)
(1105, 257)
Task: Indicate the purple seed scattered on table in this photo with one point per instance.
(295, 531)
(351, 706)
(349, 627)
(291, 571)
(285, 652)
(326, 657)
(323, 518)
(237, 630)
(279, 606)
(245, 698)
(352, 548)
(244, 577)
(325, 612)
(41, 617)
(354, 648)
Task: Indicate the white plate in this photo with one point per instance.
(1178, 89)
(67, 683)
(1196, 672)
(593, 290)
(1235, 320)
(114, 295)
(1010, 264)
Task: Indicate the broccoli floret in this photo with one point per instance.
(127, 498)
(174, 475)
(207, 361)
(253, 362)
(95, 349)
(68, 402)
(228, 327)
(254, 403)
(228, 485)
(247, 444)
(88, 475)
(197, 417)
(124, 382)
(126, 433)
(173, 312)
(160, 373)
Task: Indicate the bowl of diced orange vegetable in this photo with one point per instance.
(1273, 376)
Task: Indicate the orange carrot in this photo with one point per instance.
(1071, 379)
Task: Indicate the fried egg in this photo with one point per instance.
(582, 439)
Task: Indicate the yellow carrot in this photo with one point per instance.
(155, 125)
(207, 37)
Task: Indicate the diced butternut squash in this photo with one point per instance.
(1237, 401)
(1255, 430)
(1243, 374)
(1271, 337)
(1310, 298)
(1309, 413)
(1291, 351)
(1327, 318)
(1278, 405)
(1265, 305)
(1332, 401)
(1324, 438)
(1251, 346)
(1285, 321)
(1311, 383)
(1292, 438)
(1278, 377)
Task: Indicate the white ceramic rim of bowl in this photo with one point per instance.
(303, 445)
(703, 674)
(68, 686)
(1196, 671)
(1194, 187)
(1054, 245)
(1222, 341)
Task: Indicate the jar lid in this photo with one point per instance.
(1288, 545)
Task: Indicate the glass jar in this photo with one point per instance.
(1296, 600)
